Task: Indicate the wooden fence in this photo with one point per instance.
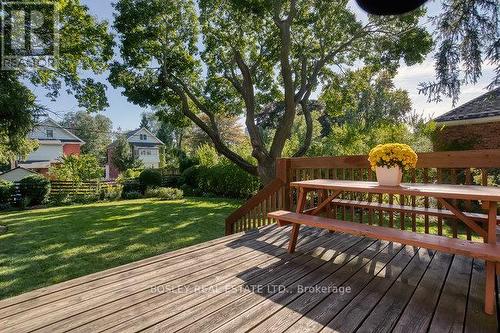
(459, 167)
(69, 189)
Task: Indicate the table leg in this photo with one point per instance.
(328, 206)
(301, 201)
(489, 298)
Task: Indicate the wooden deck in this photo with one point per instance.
(248, 282)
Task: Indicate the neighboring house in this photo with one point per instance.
(54, 143)
(145, 146)
(473, 125)
(16, 174)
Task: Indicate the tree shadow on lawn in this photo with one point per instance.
(48, 246)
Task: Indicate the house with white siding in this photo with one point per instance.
(145, 146)
(54, 142)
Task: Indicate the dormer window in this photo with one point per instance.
(49, 133)
(143, 137)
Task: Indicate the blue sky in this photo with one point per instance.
(126, 115)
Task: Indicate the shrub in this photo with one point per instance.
(190, 176)
(35, 189)
(228, 180)
(164, 193)
(85, 198)
(207, 155)
(190, 191)
(185, 162)
(132, 185)
(6, 192)
(128, 175)
(131, 195)
(60, 199)
(77, 168)
(172, 181)
(150, 178)
(111, 192)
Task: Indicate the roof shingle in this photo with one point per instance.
(484, 106)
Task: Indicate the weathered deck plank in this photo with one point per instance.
(327, 309)
(393, 287)
(450, 312)
(475, 320)
(426, 296)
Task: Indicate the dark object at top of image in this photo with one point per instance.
(389, 7)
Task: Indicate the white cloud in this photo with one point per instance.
(409, 78)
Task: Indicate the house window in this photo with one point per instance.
(143, 137)
(148, 152)
(49, 133)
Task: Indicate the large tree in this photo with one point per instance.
(364, 99)
(95, 130)
(85, 48)
(233, 57)
(18, 112)
(468, 37)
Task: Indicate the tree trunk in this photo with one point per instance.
(267, 170)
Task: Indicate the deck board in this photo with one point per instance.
(232, 284)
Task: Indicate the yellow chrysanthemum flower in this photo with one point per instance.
(393, 154)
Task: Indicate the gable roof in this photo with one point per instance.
(131, 133)
(17, 168)
(484, 107)
(49, 122)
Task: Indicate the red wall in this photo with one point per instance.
(71, 149)
(468, 137)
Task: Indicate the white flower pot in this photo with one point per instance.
(389, 176)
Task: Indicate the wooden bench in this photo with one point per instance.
(483, 251)
(445, 213)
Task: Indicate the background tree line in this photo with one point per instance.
(203, 65)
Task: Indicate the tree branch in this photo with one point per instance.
(320, 64)
(214, 136)
(212, 131)
(248, 93)
(309, 128)
(284, 126)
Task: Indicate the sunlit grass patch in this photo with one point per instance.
(47, 246)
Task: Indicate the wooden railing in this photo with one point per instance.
(460, 167)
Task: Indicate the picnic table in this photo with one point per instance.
(484, 225)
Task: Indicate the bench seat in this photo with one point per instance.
(409, 209)
(483, 251)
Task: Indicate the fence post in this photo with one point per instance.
(283, 173)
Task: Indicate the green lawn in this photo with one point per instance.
(47, 246)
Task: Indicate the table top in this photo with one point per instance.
(447, 191)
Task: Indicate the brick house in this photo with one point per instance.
(54, 142)
(144, 145)
(473, 125)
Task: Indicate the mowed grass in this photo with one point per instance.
(47, 246)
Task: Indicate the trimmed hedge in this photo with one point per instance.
(227, 180)
(151, 178)
(34, 190)
(223, 179)
(6, 191)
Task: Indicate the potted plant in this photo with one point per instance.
(389, 160)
